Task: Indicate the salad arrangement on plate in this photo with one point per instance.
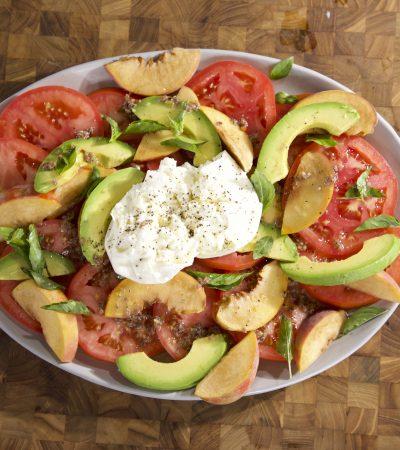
(201, 215)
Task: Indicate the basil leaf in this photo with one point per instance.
(115, 130)
(361, 316)
(94, 180)
(184, 142)
(322, 139)
(36, 257)
(220, 281)
(264, 188)
(144, 126)
(6, 232)
(66, 159)
(281, 69)
(263, 247)
(381, 221)
(18, 242)
(69, 307)
(284, 98)
(361, 188)
(284, 345)
(177, 124)
(42, 281)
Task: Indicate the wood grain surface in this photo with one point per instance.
(355, 405)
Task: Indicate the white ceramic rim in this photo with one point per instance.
(29, 340)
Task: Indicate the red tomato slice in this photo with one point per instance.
(104, 338)
(332, 235)
(177, 332)
(50, 115)
(19, 162)
(233, 262)
(9, 305)
(240, 91)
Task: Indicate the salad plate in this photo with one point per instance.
(271, 376)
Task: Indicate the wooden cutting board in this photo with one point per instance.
(355, 405)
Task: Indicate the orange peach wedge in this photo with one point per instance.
(233, 375)
(315, 335)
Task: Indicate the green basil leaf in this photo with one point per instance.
(322, 139)
(144, 126)
(361, 316)
(284, 98)
(263, 247)
(18, 242)
(220, 281)
(361, 188)
(184, 142)
(36, 257)
(69, 307)
(284, 345)
(281, 69)
(177, 124)
(6, 232)
(264, 188)
(66, 159)
(381, 221)
(42, 281)
(115, 130)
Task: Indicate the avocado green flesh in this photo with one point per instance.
(283, 248)
(335, 118)
(95, 214)
(183, 374)
(12, 264)
(107, 154)
(377, 254)
(196, 125)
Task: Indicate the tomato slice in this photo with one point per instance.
(50, 115)
(102, 337)
(240, 91)
(332, 236)
(19, 162)
(177, 332)
(9, 305)
(233, 262)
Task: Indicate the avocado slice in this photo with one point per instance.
(79, 153)
(95, 214)
(195, 124)
(336, 118)
(12, 264)
(148, 373)
(283, 248)
(377, 254)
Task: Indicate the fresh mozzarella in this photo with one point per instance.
(179, 213)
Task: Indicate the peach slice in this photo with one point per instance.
(310, 194)
(186, 94)
(247, 311)
(368, 118)
(22, 211)
(182, 293)
(163, 74)
(233, 375)
(380, 285)
(315, 335)
(59, 329)
(150, 146)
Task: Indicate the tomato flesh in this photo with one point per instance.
(240, 91)
(50, 115)
(106, 338)
(233, 262)
(177, 332)
(332, 236)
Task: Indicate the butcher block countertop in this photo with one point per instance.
(354, 405)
